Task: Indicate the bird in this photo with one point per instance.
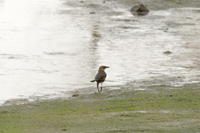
(100, 77)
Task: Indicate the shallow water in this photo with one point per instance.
(49, 48)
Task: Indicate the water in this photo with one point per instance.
(48, 48)
(40, 51)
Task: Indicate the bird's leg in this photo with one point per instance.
(98, 87)
(101, 87)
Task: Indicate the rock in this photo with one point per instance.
(75, 95)
(167, 52)
(92, 13)
(139, 10)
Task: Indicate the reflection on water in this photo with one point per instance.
(51, 47)
(42, 51)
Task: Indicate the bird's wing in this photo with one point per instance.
(100, 75)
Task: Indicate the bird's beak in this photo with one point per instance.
(107, 67)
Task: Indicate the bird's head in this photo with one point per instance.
(102, 68)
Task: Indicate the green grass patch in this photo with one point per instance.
(156, 109)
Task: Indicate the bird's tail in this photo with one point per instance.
(93, 80)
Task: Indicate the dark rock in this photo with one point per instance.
(75, 95)
(167, 52)
(139, 10)
(92, 13)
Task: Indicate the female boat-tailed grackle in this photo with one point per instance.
(100, 77)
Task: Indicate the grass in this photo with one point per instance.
(156, 109)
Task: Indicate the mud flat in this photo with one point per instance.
(76, 37)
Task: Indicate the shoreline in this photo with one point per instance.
(119, 15)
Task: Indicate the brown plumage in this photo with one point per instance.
(100, 77)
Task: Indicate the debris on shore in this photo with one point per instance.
(139, 10)
(167, 52)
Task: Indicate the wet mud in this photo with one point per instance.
(74, 38)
